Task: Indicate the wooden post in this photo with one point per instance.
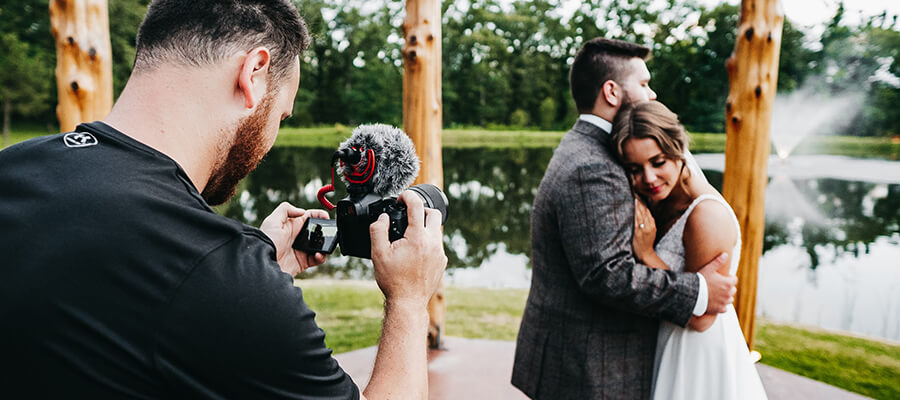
(83, 60)
(753, 76)
(422, 113)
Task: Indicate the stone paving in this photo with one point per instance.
(480, 369)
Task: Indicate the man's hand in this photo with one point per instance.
(408, 272)
(282, 226)
(410, 268)
(720, 285)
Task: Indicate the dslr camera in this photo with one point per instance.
(377, 163)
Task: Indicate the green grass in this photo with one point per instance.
(20, 136)
(859, 365)
(350, 313)
(331, 136)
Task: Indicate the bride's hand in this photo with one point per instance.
(644, 235)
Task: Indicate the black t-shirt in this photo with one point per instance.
(118, 280)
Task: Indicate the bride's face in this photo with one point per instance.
(653, 174)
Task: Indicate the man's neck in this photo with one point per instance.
(175, 114)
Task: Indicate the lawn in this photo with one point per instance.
(331, 136)
(350, 313)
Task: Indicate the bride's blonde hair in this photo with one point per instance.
(651, 119)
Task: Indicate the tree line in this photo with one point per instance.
(505, 64)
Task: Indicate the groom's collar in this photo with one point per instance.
(601, 123)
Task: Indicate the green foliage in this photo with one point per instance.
(505, 137)
(24, 87)
(26, 67)
(519, 118)
(547, 114)
(502, 57)
(125, 17)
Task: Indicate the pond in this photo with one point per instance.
(831, 253)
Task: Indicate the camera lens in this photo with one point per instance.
(433, 198)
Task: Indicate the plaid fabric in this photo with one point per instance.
(590, 323)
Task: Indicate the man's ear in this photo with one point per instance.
(611, 93)
(254, 71)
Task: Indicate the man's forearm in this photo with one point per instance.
(643, 290)
(401, 365)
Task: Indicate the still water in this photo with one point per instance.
(831, 254)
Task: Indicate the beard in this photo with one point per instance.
(243, 155)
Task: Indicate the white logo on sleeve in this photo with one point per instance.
(79, 139)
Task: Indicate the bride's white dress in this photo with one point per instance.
(714, 364)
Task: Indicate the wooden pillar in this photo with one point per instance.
(83, 60)
(422, 113)
(753, 76)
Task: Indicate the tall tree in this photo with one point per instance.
(26, 68)
(24, 83)
(125, 17)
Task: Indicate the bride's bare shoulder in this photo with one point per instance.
(708, 231)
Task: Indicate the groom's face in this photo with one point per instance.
(636, 81)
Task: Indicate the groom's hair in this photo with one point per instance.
(204, 32)
(600, 60)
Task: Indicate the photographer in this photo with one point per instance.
(119, 280)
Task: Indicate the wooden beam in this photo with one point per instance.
(83, 60)
(422, 113)
(753, 76)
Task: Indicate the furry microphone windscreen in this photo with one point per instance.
(396, 162)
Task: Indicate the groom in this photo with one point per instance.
(590, 323)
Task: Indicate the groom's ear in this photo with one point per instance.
(610, 92)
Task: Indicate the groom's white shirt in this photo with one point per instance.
(703, 291)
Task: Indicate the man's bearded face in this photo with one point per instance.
(247, 150)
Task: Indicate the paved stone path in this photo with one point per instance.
(474, 369)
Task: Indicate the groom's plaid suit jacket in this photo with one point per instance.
(590, 324)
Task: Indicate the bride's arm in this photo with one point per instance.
(709, 231)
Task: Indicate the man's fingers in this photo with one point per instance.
(289, 210)
(378, 232)
(318, 214)
(415, 211)
(319, 258)
(433, 220)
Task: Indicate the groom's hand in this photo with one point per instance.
(720, 285)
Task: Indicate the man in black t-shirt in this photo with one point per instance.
(117, 279)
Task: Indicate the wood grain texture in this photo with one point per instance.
(422, 113)
(753, 76)
(83, 60)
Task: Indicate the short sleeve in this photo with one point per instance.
(237, 327)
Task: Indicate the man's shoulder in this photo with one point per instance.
(581, 148)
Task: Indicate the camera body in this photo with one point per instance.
(376, 163)
(357, 212)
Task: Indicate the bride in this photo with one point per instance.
(687, 224)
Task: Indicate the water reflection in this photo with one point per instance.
(830, 246)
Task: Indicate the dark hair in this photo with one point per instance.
(600, 60)
(203, 32)
(651, 119)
